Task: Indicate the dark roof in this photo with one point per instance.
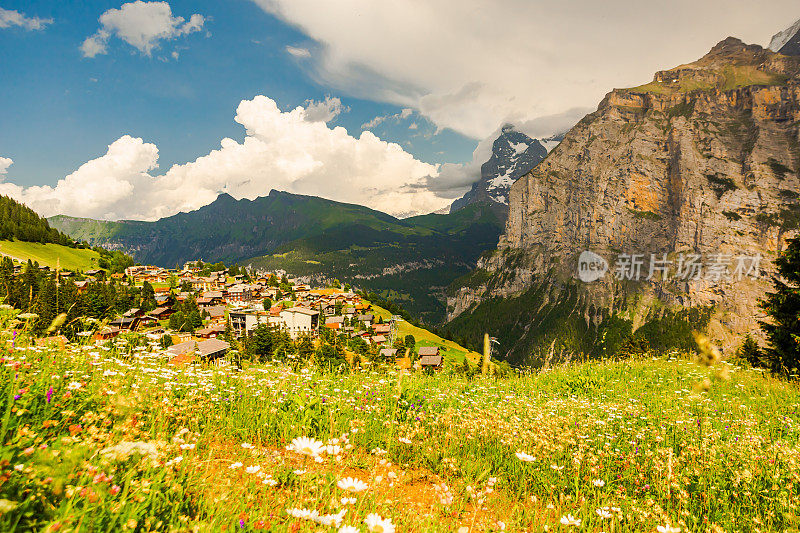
(428, 350)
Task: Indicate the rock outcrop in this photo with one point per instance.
(701, 161)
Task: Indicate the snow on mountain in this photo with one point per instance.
(514, 154)
(786, 38)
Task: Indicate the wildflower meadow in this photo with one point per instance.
(112, 438)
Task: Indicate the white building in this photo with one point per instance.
(299, 321)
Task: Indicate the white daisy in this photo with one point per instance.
(376, 524)
(351, 484)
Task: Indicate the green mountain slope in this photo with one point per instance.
(51, 255)
(411, 260)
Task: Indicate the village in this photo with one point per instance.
(233, 305)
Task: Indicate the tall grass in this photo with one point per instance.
(100, 439)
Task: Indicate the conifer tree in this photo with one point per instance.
(782, 355)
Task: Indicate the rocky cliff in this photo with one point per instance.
(703, 161)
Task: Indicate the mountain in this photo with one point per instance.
(19, 222)
(411, 261)
(513, 155)
(702, 160)
(788, 41)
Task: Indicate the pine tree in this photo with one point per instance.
(782, 355)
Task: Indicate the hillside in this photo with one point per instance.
(453, 352)
(623, 446)
(411, 260)
(19, 222)
(703, 160)
(51, 255)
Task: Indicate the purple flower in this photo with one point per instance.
(241, 523)
(17, 396)
(13, 339)
(49, 394)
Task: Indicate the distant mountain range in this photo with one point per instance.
(514, 154)
(411, 260)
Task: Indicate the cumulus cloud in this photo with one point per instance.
(10, 18)
(5, 162)
(470, 65)
(324, 110)
(281, 150)
(143, 25)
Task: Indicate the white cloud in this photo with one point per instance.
(281, 150)
(380, 119)
(10, 18)
(143, 25)
(324, 110)
(472, 65)
(298, 52)
(5, 162)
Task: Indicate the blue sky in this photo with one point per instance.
(140, 109)
(62, 109)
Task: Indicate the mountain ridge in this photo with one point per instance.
(703, 159)
(412, 260)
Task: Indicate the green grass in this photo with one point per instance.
(452, 351)
(656, 441)
(729, 78)
(50, 255)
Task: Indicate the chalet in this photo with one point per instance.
(162, 313)
(430, 358)
(378, 339)
(147, 321)
(240, 293)
(366, 319)
(215, 311)
(334, 320)
(125, 323)
(106, 334)
(382, 329)
(207, 350)
(212, 297)
(211, 332)
(95, 273)
(388, 353)
(130, 313)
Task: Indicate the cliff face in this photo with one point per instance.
(703, 160)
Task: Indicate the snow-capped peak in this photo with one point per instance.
(780, 39)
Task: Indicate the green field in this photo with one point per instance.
(114, 439)
(50, 255)
(452, 351)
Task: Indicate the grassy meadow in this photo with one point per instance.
(113, 439)
(50, 254)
